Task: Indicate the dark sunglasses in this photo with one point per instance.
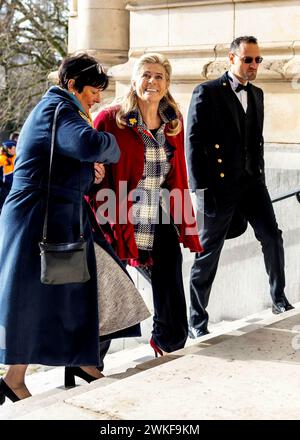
(249, 60)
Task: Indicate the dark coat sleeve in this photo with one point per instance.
(77, 139)
(197, 126)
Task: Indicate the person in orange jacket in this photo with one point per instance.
(7, 160)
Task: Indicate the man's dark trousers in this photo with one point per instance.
(254, 202)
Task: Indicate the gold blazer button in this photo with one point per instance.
(222, 175)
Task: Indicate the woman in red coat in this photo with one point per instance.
(153, 207)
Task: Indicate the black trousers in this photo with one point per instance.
(254, 202)
(170, 327)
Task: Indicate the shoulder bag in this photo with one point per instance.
(62, 263)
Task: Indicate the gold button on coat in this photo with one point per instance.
(220, 160)
(217, 146)
(222, 175)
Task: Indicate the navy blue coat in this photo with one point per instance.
(45, 324)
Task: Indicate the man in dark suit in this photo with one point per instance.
(226, 167)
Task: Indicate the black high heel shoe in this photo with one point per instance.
(157, 350)
(71, 372)
(5, 391)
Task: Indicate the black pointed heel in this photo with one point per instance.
(71, 372)
(69, 378)
(5, 391)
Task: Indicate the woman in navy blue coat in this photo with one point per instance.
(51, 324)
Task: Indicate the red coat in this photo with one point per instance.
(130, 169)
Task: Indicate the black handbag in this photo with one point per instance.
(62, 263)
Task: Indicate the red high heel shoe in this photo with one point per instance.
(157, 351)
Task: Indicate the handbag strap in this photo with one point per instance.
(45, 226)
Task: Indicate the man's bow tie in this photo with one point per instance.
(242, 87)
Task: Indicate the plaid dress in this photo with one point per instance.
(146, 196)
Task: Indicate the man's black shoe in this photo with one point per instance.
(281, 307)
(197, 333)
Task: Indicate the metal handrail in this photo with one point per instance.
(287, 195)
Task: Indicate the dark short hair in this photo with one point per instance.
(248, 39)
(85, 70)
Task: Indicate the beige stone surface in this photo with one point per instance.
(282, 112)
(149, 28)
(287, 160)
(253, 376)
(103, 28)
(103, 4)
(205, 25)
(154, 4)
(59, 411)
(268, 20)
(53, 396)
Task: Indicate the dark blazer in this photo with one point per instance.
(214, 140)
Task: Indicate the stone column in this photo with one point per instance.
(101, 28)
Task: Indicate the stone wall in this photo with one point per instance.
(195, 35)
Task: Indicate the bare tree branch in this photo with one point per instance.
(33, 39)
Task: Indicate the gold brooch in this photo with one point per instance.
(86, 118)
(132, 121)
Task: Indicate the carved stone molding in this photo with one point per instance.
(137, 5)
(190, 64)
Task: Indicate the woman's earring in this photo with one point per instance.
(73, 93)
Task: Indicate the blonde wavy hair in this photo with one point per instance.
(129, 101)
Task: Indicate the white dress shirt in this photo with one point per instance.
(242, 94)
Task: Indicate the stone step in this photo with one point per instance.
(45, 398)
(47, 386)
(251, 374)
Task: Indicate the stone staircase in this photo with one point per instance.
(247, 368)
